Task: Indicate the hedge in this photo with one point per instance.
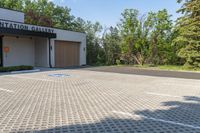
(15, 68)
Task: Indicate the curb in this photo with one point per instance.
(26, 71)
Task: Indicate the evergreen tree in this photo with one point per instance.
(188, 28)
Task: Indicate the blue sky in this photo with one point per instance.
(108, 12)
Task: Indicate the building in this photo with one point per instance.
(25, 44)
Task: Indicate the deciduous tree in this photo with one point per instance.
(111, 44)
(128, 27)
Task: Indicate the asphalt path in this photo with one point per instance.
(147, 72)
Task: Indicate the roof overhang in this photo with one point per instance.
(26, 33)
(17, 28)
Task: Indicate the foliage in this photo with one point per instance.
(12, 4)
(15, 68)
(111, 45)
(137, 39)
(46, 13)
(42, 12)
(128, 30)
(94, 49)
(146, 39)
(160, 26)
(188, 27)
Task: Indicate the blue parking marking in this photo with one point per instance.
(59, 75)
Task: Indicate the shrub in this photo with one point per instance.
(118, 62)
(15, 68)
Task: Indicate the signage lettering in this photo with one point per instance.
(12, 25)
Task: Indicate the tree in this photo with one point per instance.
(128, 28)
(12, 4)
(141, 47)
(46, 13)
(111, 45)
(38, 12)
(188, 27)
(62, 18)
(146, 39)
(43, 12)
(95, 54)
(160, 26)
(79, 25)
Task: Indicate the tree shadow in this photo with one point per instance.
(179, 117)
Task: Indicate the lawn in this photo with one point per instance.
(166, 67)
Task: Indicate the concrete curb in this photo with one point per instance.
(26, 71)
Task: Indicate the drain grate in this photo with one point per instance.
(59, 75)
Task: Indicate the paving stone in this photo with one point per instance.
(98, 102)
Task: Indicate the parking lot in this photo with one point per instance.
(84, 101)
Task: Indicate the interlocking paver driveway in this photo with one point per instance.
(92, 102)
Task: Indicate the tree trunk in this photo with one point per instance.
(155, 49)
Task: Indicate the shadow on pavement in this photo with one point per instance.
(180, 117)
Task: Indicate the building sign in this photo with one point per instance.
(21, 26)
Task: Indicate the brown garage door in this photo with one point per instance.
(66, 53)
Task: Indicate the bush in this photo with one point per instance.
(15, 68)
(118, 62)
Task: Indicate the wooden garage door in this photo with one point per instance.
(66, 53)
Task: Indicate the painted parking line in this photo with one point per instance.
(157, 120)
(164, 95)
(1, 89)
(33, 78)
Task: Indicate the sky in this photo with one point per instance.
(108, 12)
